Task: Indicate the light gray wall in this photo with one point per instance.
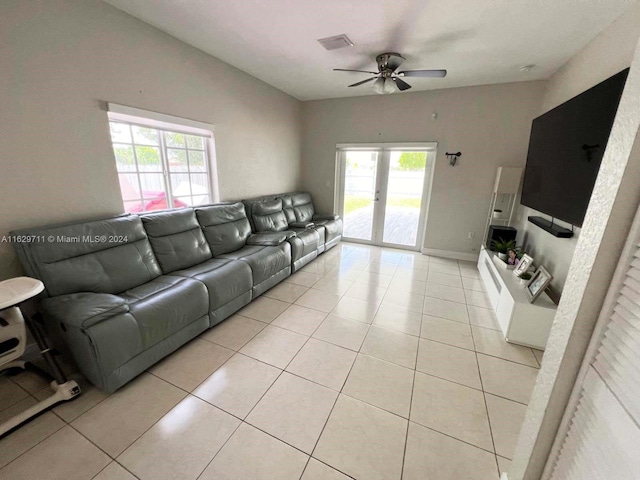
(609, 53)
(613, 205)
(60, 60)
(489, 124)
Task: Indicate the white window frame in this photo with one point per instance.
(168, 123)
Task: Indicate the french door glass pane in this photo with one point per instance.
(404, 197)
(359, 192)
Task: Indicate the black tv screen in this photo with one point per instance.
(565, 151)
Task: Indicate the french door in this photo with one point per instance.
(383, 191)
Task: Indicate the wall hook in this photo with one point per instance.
(453, 157)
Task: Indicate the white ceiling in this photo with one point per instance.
(478, 42)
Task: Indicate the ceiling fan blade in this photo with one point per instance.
(402, 85)
(424, 73)
(347, 70)
(394, 62)
(363, 81)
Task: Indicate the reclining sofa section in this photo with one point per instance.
(294, 212)
(124, 292)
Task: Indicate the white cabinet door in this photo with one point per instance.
(504, 312)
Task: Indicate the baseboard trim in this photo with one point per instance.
(470, 257)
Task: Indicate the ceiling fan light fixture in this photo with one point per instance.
(387, 79)
(390, 86)
(378, 86)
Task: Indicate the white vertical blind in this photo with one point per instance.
(603, 441)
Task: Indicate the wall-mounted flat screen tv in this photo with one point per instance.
(565, 150)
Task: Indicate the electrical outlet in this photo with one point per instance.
(472, 235)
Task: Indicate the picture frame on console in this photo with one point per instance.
(538, 284)
(525, 262)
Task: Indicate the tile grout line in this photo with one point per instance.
(413, 386)
(339, 393)
(484, 399)
(249, 413)
(332, 407)
(271, 386)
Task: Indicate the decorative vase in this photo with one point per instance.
(502, 256)
(497, 214)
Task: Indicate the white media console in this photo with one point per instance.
(521, 322)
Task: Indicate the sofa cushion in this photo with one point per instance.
(302, 207)
(264, 261)
(333, 229)
(269, 217)
(101, 332)
(304, 243)
(176, 238)
(102, 256)
(287, 208)
(225, 279)
(165, 305)
(226, 226)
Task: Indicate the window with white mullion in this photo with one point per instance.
(165, 169)
(161, 168)
(137, 166)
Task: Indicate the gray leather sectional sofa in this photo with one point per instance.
(126, 291)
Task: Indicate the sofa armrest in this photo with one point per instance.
(268, 239)
(326, 216)
(83, 310)
(302, 224)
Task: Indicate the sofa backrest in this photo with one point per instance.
(299, 205)
(287, 208)
(226, 226)
(176, 239)
(268, 216)
(102, 256)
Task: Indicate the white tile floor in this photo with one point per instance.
(367, 364)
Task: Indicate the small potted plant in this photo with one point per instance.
(502, 247)
(525, 277)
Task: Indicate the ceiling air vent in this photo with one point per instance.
(333, 43)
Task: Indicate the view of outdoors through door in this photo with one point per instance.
(382, 195)
(404, 197)
(359, 194)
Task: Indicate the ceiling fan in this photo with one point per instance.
(386, 79)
